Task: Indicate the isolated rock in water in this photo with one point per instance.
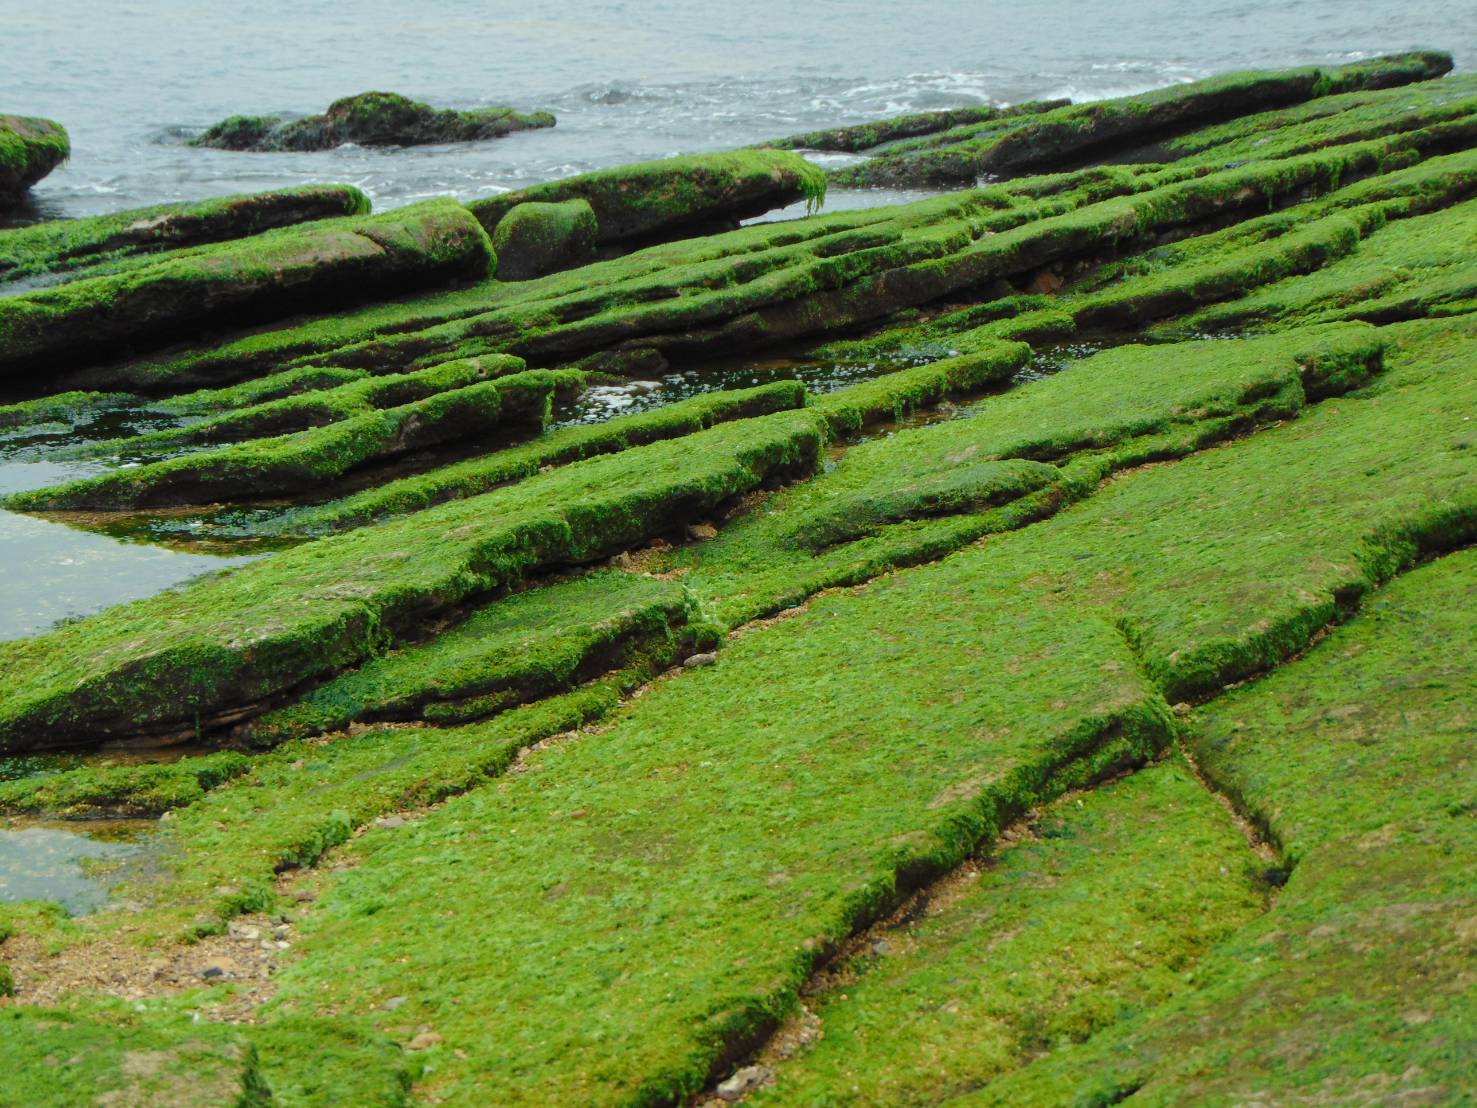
(866, 136)
(30, 148)
(295, 269)
(69, 244)
(652, 201)
(369, 119)
(538, 238)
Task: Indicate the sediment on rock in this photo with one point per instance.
(369, 119)
(30, 148)
(68, 245)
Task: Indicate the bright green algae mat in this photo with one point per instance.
(1104, 906)
(651, 893)
(1357, 987)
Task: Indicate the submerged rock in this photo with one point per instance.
(675, 197)
(369, 119)
(538, 238)
(30, 148)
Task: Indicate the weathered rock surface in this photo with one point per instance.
(30, 148)
(861, 137)
(369, 119)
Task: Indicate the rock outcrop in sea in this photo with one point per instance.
(369, 119)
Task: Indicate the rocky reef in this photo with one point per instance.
(369, 119)
(30, 148)
(1013, 647)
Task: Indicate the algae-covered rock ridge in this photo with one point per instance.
(1015, 646)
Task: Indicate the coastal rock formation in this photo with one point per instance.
(1116, 130)
(98, 243)
(30, 148)
(862, 137)
(538, 238)
(675, 197)
(937, 705)
(330, 262)
(369, 119)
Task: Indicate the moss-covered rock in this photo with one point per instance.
(674, 197)
(538, 238)
(317, 265)
(30, 148)
(862, 137)
(73, 244)
(369, 119)
(1086, 132)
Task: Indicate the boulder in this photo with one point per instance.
(30, 148)
(369, 119)
(538, 238)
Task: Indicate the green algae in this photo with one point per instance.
(369, 119)
(861, 137)
(519, 648)
(121, 792)
(539, 238)
(333, 260)
(305, 460)
(1101, 906)
(30, 148)
(1357, 759)
(114, 675)
(1086, 130)
(693, 874)
(68, 245)
(560, 447)
(675, 196)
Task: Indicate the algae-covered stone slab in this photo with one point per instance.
(861, 137)
(30, 148)
(1095, 909)
(72, 244)
(1356, 987)
(56, 1059)
(234, 639)
(369, 119)
(676, 196)
(657, 890)
(1082, 132)
(331, 262)
(304, 460)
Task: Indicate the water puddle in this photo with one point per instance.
(56, 861)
